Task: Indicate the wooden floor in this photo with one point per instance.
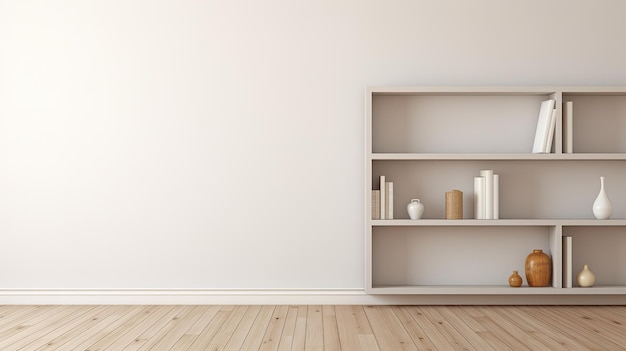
(313, 328)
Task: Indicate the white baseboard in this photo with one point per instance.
(275, 297)
(182, 296)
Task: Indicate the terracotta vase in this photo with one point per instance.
(538, 269)
(515, 280)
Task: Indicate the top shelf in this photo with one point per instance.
(471, 123)
(498, 90)
(498, 156)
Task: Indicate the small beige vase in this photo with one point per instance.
(585, 278)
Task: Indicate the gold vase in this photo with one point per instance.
(538, 269)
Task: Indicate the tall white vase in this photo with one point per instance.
(602, 207)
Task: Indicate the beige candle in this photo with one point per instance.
(454, 204)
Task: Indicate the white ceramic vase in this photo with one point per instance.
(585, 278)
(602, 207)
(415, 209)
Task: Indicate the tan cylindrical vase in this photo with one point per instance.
(454, 204)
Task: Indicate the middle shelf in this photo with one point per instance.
(498, 156)
(497, 222)
(528, 188)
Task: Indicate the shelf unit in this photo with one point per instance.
(430, 140)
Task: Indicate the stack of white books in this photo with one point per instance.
(487, 195)
(382, 200)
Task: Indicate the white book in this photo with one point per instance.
(383, 198)
(375, 204)
(543, 126)
(548, 146)
(496, 196)
(488, 175)
(479, 197)
(568, 127)
(567, 262)
(389, 201)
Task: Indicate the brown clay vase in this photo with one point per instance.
(538, 269)
(515, 280)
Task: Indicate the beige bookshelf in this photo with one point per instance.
(429, 140)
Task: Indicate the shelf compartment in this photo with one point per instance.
(529, 189)
(445, 121)
(598, 114)
(592, 245)
(461, 255)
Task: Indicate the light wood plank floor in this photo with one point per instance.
(313, 328)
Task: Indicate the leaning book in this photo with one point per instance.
(544, 123)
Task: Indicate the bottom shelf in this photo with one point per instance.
(492, 290)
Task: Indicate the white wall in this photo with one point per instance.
(219, 144)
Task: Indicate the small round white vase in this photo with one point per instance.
(415, 209)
